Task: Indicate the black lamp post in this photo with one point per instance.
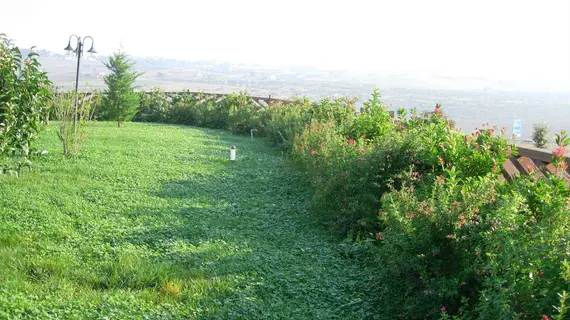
(79, 51)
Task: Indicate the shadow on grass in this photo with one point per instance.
(248, 227)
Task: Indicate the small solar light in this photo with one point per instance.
(233, 153)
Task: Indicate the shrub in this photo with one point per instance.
(64, 108)
(540, 132)
(154, 106)
(375, 122)
(424, 259)
(282, 122)
(350, 175)
(340, 111)
(182, 109)
(24, 98)
(243, 114)
(480, 249)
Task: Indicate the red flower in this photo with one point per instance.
(379, 236)
(351, 141)
(442, 308)
(302, 147)
(560, 152)
(410, 215)
(545, 317)
(313, 151)
(437, 111)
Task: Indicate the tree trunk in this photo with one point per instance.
(118, 124)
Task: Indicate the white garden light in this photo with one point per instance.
(233, 153)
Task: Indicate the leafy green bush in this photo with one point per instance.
(374, 122)
(243, 114)
(282, 122)
(154, 106)
(340, 111)
(182, 109)
(24, 98)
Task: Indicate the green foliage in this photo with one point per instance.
(120, 103)
(540, 133)
(340, 111)
(154, 106)
(158, 225)
(374, 122)
(72, 138)
(349, 175)
(183, 109)
(282, 122)
(24, 98)
(562, 138)
(242, 112)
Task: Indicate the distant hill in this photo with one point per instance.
(470, 101)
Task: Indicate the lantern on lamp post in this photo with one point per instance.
(79, 52)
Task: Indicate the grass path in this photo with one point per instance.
(153, 222)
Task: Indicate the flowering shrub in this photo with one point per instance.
(558, 156)
(480, 248)
(350, 175)
(424, 259)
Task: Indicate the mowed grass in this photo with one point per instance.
(153, 222)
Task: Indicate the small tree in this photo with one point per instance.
(120, 102)
(24, 98)
(540, 133)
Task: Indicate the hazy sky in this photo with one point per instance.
(500, 39)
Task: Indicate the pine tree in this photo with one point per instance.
(120, 102)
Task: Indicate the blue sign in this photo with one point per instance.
(517, 125)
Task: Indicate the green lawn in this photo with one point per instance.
(153, 222)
